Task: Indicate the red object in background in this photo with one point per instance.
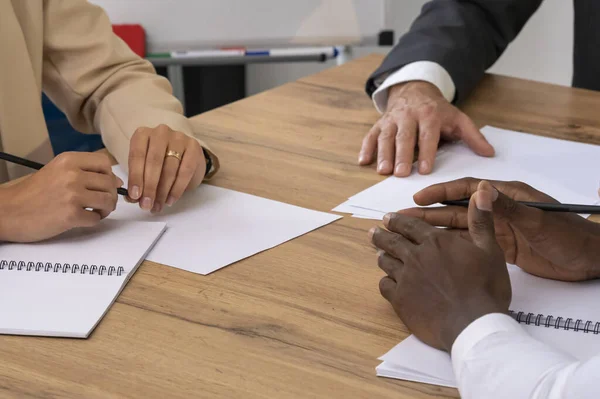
(134, 36)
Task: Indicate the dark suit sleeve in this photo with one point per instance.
(464, 36)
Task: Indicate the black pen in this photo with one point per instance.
(37, 166)
(544, 206)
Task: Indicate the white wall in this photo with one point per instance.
(543, 50)
(197, 24)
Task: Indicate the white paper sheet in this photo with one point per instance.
(212, 227)
(566, 170)
(367, 217)
(360, 213)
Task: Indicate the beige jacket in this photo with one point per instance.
(66, 48)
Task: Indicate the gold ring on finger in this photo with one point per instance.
(175, 154)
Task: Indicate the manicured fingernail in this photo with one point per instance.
(362, 158)
(483, 201)
(372, 232)
(387, 218)
(494, 194)
(403, 169)
(424, 167)
(135, 192)
(156, 208)
(146, 203)
(170, 201)
(384, 166)
(487, 186)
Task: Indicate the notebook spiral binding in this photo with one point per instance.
(550, 321)
(62, 268)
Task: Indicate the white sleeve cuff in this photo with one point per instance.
(480, 329)
(426, 71)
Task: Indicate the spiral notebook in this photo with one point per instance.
(565, 316)
(63, 287)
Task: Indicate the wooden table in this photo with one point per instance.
(304, 319)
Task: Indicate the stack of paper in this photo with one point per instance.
(415, 361)
(212, 227)
(565, 170)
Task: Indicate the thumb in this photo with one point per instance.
(527, 220)
(470, 134)
(481, 218)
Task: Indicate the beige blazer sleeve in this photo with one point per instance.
(99, 83)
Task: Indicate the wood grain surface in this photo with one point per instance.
(303, 320)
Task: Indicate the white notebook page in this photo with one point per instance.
(413, 360)
(70, 304)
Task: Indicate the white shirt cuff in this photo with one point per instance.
(478, 330)
(426, 71)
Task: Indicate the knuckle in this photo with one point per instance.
(467, 184)
(180, 140)
(156, 159)
(427, 135)
(163, 130)
(72, 179)
(386, 134)
(65, 159)
(187, 170)
(397, 109)
(396, 241)
(520, 186)
(454, 220)
(412, 224)
(387, 120)
(137, 153)
(479, 225)
(141, 131)
(104, 161)
(372, 133)
(382, 285)
(62, 157)
(193, 144)
(429, 109)
(404, 134)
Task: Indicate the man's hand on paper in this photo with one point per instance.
(157, 175)
(559, 246)
(426, 271)
(57, 198)
(417, 115)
